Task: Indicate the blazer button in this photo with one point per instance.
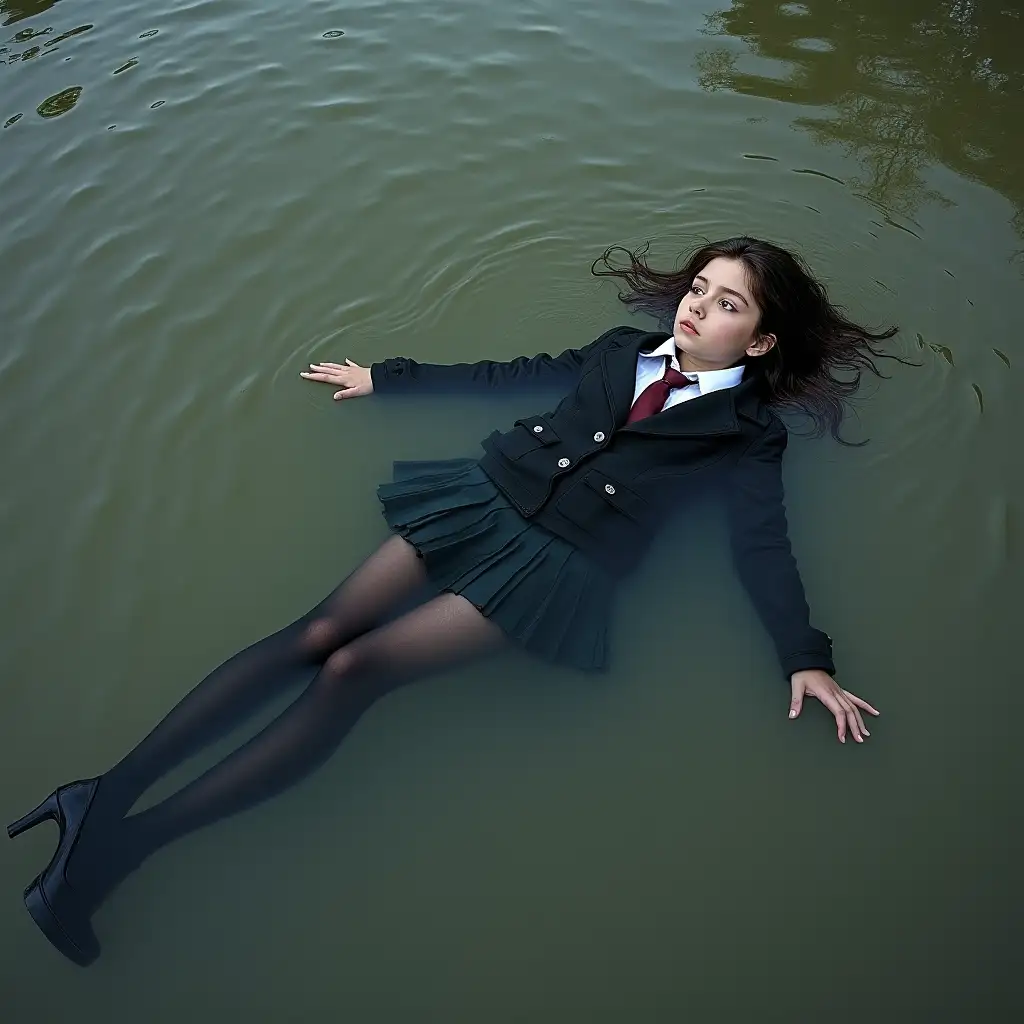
(537, 429)
(609, 488)
(562, 463)
(599, 436)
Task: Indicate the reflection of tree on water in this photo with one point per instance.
(910, 82)
(17, 10)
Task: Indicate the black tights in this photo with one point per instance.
(357, 664)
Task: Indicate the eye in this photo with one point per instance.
(726, 304)
(696, 289)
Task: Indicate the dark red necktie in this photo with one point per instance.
(653, 397)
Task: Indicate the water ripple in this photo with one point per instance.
(316, 181)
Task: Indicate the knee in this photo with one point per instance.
(320, 637)
(341, 669)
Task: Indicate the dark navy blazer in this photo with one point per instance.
(606, 487)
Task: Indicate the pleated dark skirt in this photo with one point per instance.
(546, 595)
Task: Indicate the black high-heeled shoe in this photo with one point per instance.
(62, 914)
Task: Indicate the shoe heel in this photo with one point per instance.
(48, 810)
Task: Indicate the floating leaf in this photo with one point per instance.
(1002, 355)
(944, 352)
(60, 102)
(27, 33)
(981, 400)
(126, 66)
(820, 174)
(67, 35)
(17, 117)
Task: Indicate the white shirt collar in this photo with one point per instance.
(707, 380)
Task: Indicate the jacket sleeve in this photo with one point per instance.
(401, 375)
(764, 559)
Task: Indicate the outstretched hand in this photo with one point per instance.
(353, 379)
(845, 706)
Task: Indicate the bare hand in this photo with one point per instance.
(353, 379)
(845, 706)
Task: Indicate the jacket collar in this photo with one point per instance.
(707, 380)
(716, 413)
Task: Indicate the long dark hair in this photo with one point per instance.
(819, 356)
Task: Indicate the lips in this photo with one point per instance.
(687, 325)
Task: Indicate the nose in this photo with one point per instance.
(696, 308)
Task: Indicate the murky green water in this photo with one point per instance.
(198, 198)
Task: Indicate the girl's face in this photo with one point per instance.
(716, 322)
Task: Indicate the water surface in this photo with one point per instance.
(198, 198)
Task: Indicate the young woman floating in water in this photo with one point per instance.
(523, 545)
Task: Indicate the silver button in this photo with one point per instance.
(609, 488)
(599, 436)
(537, 429)
(563, 463)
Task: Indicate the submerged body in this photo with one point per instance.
(523, 545)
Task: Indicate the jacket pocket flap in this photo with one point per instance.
(626, 501)
(528, 435)
(540, 428)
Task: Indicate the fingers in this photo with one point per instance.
(838, 709)
(328, 378)
(798, 698)
(860, 723)
(851, 721)
(349, 364)
(355, 392)
(329, 373)
(854, 699)
(849, 718)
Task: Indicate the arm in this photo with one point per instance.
(760, 543)
(401, 375)
(764, 559)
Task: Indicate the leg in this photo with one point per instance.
(246, 681)
(443, 632)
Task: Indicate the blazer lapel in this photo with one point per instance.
(619, 368)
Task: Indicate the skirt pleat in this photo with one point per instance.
(546, 595)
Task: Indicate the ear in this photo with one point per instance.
(761, 344)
